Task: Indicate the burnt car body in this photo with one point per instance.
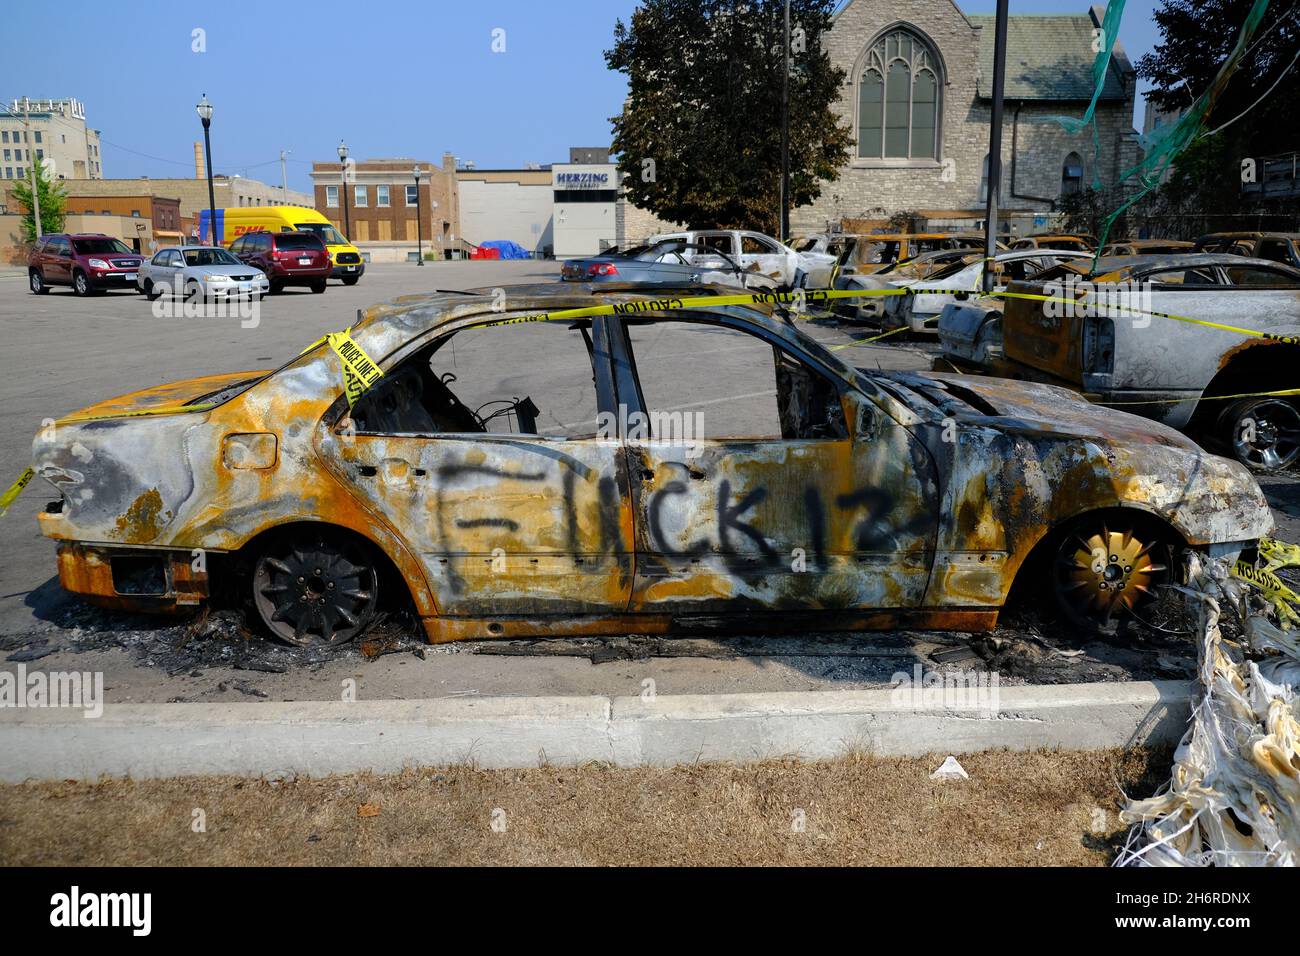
(839, 498)
(1178, 373)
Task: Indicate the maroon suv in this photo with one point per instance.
(89, 262)
(287, 258)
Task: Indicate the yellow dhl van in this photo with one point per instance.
(237, 221)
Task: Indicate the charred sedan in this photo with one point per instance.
(629, 472)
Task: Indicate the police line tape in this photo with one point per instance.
(361, 372)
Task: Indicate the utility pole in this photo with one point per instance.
(31, 162)
(785, 128)
(995, 146)
(284, 179)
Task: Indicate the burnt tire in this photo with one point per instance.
(315, 587)
(1106, 568)
(1261, 433)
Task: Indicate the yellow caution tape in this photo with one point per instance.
(1278, 594)
(1278, 554)
(1126, 311)
(360, 371)
(16, 489)
(1281, 392)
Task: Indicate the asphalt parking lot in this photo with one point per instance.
(63, 353)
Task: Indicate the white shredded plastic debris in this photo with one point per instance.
(950, 769)
(1234, 794)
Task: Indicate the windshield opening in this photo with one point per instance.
(209, 257)
(103, 246)
(327, 233)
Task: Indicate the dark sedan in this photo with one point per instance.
(668, 262)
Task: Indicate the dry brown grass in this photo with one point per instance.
(1017, 809)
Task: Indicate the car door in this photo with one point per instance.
(165, 269)
(756, 484)
(1152, 353)
(764, 255)
(489, 451)
(59, 268)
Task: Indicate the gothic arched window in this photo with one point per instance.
(899, 99)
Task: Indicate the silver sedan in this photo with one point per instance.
(207, 272)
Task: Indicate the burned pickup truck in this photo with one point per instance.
(1107, 333)
(516, 473)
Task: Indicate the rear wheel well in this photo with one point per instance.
(1257, 367)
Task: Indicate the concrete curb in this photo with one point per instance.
(319, 738)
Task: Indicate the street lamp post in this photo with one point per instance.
(343, 175)
(205, 115)
(995, 146)
(419, 217)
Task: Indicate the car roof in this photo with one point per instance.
(1127, 265)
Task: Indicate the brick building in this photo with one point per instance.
(916, 94)
(191, 195)
(164, 214)
(381, 203)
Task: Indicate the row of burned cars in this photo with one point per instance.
(1203, 336)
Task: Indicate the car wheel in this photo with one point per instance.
(277, 288)
(1106, 567)
(351, 280)
(1264, 434)
(318, 287)
(37, 282)
(81, 284)
(150, 292)
(317, 588)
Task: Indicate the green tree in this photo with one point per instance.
(1254, 115)
(54, 202)
(699, 138)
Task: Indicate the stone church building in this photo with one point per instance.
(917, 96)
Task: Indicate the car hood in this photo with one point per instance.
(240, 269)
(1070, 456)
(171, 395)
(1038, 407)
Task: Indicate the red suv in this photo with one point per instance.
(287, 258)
(89, 262)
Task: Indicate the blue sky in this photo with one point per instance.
(392, 77)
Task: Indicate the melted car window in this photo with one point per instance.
(705, 381)
(526, 379)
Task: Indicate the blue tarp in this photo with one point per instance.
(509, 249)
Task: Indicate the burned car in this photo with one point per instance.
(1198, 376)
(516, 473)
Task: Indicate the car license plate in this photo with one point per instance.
(129, 277)
(352, 268)
(245, 287)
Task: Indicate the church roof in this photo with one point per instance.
(1048, 58)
